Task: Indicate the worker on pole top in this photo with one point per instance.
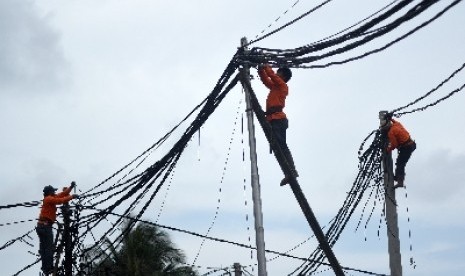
(47, 217)
(399, 138)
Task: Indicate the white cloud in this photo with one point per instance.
(31, 58)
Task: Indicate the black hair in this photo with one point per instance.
(286, 73)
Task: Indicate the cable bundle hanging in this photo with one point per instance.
(298, 57)
(370, 175)
(141, 189)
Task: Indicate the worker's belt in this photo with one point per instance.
(44, 221)
(274, 109)
(407, 143)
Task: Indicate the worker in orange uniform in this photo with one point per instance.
(275, 103)
(399, 139)
(46, 219)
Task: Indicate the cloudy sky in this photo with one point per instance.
(86, 86)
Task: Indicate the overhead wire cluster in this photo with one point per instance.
(133, 188)
(370, 175)
(380, 23)
(137, 188)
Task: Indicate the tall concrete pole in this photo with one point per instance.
(395, 260)
(256, 198)
(68, 263)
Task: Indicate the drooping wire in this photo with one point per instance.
(223, 174)
(278, 18)
(162, 168)
(412, 261)
(369, 171)
(226, 241)
(12, 241)
(165, 197)
(433, 103)
(22, 204)
(27, 267)
(16, 222)
(289, 23)
(148, 151)
(429, 92)
(244, 182)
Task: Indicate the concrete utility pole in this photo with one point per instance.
(58, 249)
(287, 170)
(256, 198)
(395, 260)
(237, 269)
(68, 264)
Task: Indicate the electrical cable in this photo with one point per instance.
(279, 17)
(224, 240)
(223, 174)
(27, 267)
(289, 58)
(433, 103)
(377, 50)
(369, 170)
(244, 183)
(429, 92)
(288, 24)
(23, 204)
(12, 241)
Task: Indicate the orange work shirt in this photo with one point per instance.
(278, 92)
(50, 202)
(397, 135)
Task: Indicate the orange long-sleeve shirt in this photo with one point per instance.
(49, 204)
(278, 92)
(397, 135)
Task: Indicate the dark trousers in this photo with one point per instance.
(279, 128)
(403, 156)
(46, 249)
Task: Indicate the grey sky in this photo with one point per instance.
(85, 86)
(32, 60)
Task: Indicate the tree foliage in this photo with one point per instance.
(145, 250)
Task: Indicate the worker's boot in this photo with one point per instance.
(287, 179)
(400, 182)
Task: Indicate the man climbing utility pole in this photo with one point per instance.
(288, 170)
(46, 220)
(395, 260)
